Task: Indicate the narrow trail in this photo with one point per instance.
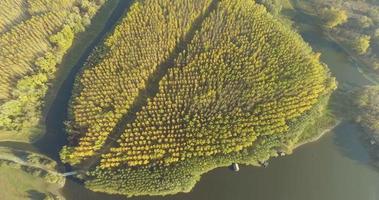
(368, 77)
(151, 89)
(22, 162)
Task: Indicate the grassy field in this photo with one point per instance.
(21, 185)
(26, 175)
(21, 137)
(315, 131)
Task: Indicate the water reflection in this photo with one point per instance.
(347, 140)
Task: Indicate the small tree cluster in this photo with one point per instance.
(333, 17)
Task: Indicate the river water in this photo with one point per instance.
(336, 167)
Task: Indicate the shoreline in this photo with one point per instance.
(79, 46)
(357, 60)
(81, 43)
(313, 139)
(317, 137)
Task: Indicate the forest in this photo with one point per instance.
(34, 37)
(179, 88)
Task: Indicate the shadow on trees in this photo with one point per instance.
(151, 89)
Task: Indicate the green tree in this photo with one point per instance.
(361, 44)
(273, 6)
(333, 17)
(66, 155)
(47, 64)
(63, 39)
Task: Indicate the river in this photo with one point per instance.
(336, 167)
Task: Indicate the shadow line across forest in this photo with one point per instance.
(151, 89)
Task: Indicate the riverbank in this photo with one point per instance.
(319, 135)
(82, 44)
(248, 183)
(333, 165)
(79, 46)
(320, 120)
(366, 101)
(358, 61)
(362, 65)
(345, 109)
(10, 136)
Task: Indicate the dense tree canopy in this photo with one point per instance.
(333, 17)
(182, 87)
(108, 87)
(34, 36)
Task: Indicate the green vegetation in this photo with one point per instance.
(34, 36)
(26, 175)
(320, 120)
(333, 17)
(275, 7)
(111, 82)
(182, 176)
(367, 101)
(36, 160)
(353, 24)
(361, 44)
(21, 185)
(188, 86)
